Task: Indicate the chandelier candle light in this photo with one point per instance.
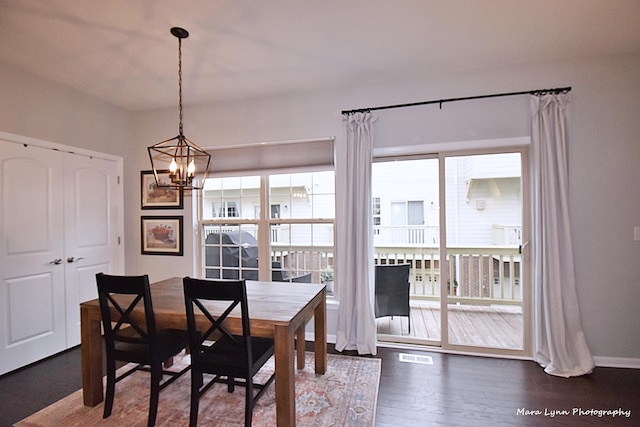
(181, 157)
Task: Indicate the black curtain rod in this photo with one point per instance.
(466, 98)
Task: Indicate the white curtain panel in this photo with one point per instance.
(560, 344)
(356, 328)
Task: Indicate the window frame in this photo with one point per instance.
(265, 222)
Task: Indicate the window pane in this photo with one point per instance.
(231, 197)
(415, 212)
(303, 253)
(302, 195)
(231, 252)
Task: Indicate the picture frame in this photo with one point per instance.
(161, 235)
(154, 197)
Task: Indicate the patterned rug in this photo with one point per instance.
(345, 396)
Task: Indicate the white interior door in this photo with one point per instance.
(92, 207)
(32, 288)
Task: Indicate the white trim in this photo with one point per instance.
(332, 313)
(600, 361)
(442, 147)
(617, 362)
(269, 143)
(25, 140)
(418, 347)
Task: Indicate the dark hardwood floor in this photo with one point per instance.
(454, 391)
(478, 391)
(36, 386)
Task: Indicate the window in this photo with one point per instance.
(376, 215)
(415, 211)
(295, 232)
(225, 210)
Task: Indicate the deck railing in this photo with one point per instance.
(489, 275)
(476, 274)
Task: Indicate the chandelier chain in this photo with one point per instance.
(180, 83)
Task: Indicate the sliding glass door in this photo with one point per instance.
(459, 220)
(407, 230)
(486, 292)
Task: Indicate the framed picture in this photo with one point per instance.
(154, 197)
(161, 235)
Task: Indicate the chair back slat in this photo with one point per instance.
(126, 328)
(232, 294)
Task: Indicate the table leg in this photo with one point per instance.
(300, 347)
(320, 340)
(285, 377)
(91, 348)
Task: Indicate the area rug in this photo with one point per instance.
(345, 396)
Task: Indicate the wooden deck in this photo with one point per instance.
(485, 326)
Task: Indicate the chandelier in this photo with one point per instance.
(186, 163)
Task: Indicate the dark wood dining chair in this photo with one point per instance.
(392, 291)
(136, 341)
(215, 350)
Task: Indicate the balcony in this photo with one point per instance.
(498, 326)
(483, 293)
(484, 303)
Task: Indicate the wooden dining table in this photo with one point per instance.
(277, 310)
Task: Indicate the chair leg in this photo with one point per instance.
(156, 377)
(248, 403)
(196, 383)
(168, 362)
(111, 388)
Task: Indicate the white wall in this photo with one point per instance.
(38, 109)
(604, 150)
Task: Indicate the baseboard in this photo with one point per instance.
(600, 361)
(617, 362)
(310, 336)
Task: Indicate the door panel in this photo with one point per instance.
(32, 290)
(91, 236)
(484, 304)
(36, 293)
(409, 233)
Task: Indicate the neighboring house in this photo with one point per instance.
(484, 199)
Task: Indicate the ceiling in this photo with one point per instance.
(122, 51)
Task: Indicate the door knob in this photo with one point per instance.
(56, 261)
(72, 259)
